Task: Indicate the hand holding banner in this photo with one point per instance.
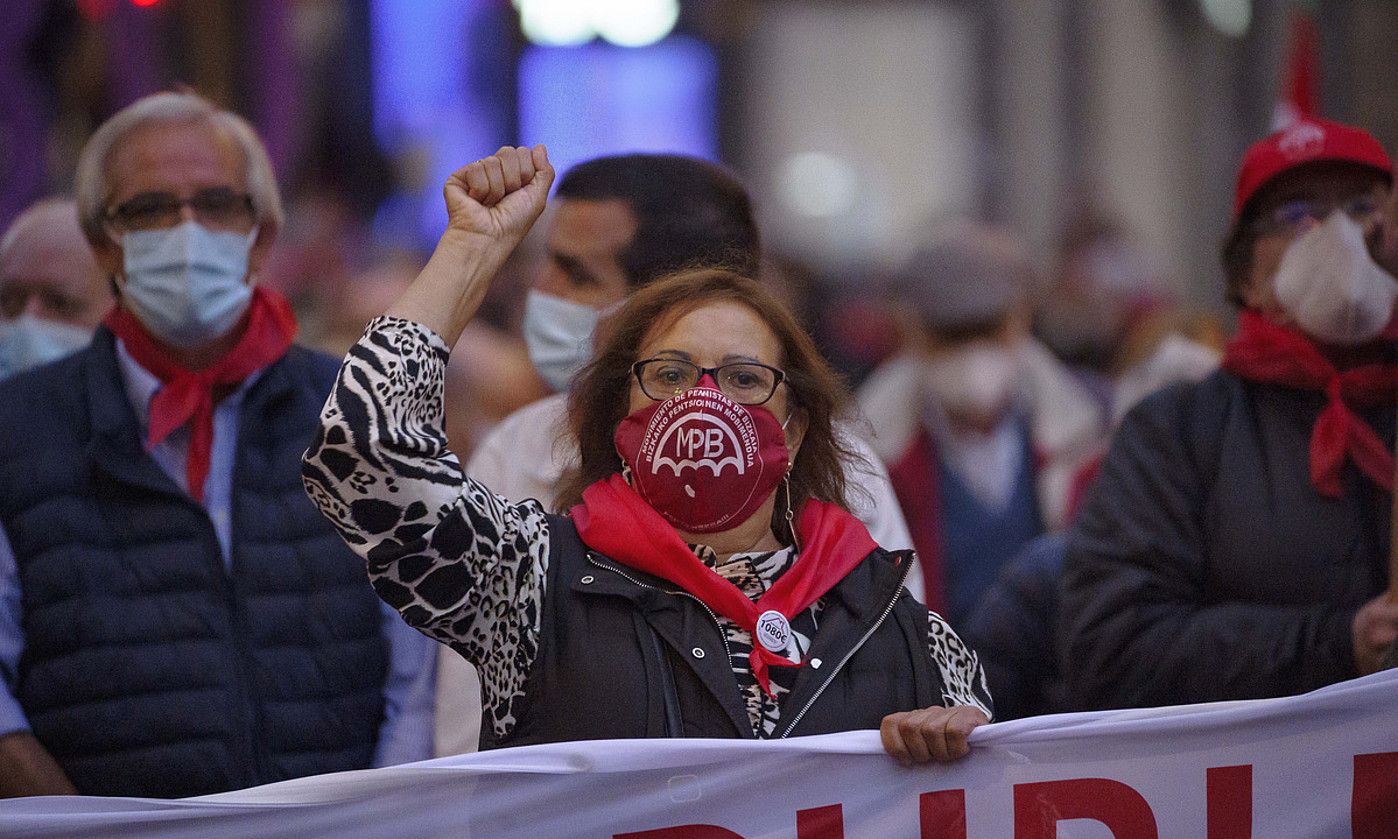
(1320, 765)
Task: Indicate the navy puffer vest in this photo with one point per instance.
(148, 670)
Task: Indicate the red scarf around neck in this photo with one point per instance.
(613, 520)
(1264, 351)
(186, 395)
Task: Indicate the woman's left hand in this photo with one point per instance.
(935, 733)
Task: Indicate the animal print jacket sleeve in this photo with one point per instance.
(460, 563)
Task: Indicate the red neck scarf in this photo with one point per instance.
(1264, 351)
(186, 395)
(612, 519)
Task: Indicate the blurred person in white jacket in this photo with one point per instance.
(983, 430)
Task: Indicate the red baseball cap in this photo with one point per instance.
(1307, 141)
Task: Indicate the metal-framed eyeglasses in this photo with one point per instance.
(1293, 217)
(745, 382)
(218, 208)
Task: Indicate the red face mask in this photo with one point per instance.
(701, 460)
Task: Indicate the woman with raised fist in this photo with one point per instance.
(704, 578)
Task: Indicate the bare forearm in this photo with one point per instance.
(26, 768)
(491, 204)
(449, 289)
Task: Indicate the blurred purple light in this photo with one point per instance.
(599, 99)
(425, 97)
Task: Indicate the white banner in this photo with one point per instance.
(1320, 765)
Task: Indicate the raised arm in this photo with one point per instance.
(459, 563)
(491, 204)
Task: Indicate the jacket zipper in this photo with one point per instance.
(888, 609)
(723, 636)
(836, 669)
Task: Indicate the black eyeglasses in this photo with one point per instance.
(220, 208)
(745, 382)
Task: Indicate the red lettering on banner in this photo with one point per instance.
(942, 814)
(821, 823)
(683, 831)
(1373, 809)
(1041, 806)
(815, 823)
(1228, 793)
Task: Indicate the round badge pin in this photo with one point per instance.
(773, 631)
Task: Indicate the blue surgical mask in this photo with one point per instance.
(558, 334)
(28, 342)
(187, 284)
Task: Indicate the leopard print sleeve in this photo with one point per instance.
(963, 679)
(461, 564)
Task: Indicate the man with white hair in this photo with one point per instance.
(175, 617)
(52, 293)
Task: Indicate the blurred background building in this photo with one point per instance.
(856, 124)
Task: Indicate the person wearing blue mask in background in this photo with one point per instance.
(52, 294)
(618, 223)
(175, 617)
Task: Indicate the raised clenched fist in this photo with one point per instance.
(500, 196)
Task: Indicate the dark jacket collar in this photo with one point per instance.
(853, 607)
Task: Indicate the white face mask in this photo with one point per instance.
(979, 382)
(186, 284)
(558, 334)
(28, 342)
(1330, 285)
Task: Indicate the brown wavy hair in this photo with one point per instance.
(600, 396)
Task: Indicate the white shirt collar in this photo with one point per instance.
(141, 385)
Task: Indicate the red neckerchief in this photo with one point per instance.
(613, 520)
(1264, 351)
(186, 395)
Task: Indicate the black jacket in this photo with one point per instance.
(622, 655)
(1012, 629)
(1205, 566)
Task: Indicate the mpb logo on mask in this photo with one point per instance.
(701, 440)
(703, 461)
(708, 443)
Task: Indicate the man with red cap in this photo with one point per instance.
(1235, 545)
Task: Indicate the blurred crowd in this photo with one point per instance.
(1112, 500)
